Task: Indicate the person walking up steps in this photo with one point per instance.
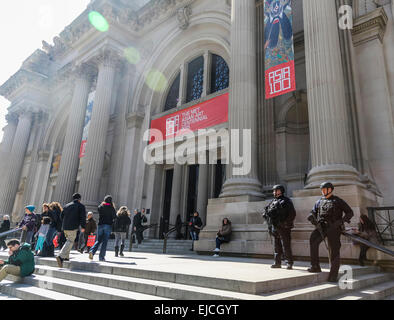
(107, 215)
(91, 227)
(121, 225)
(5, 226)
(73, 216)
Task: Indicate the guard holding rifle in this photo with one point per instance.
(280, 215)
(327, 216)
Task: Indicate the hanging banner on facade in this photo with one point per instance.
(88, 117)
(201, 116)
(279, 48)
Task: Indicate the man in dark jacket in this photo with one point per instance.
(5, 226)
(137, 225)
(21, 260)
(327, 216)
(280, 215)
(107, 215)
(73, 216)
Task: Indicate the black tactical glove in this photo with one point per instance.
(312, 219)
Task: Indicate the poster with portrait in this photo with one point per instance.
(279, 48)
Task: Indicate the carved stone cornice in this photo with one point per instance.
(369, 27)
(21, 78)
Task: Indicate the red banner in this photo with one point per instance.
(201, 116)
(280, 80)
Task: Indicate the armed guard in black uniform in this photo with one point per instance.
(327, 216)
(280, 215)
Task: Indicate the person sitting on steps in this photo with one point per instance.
(223, 235)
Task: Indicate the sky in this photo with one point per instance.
(24, 24)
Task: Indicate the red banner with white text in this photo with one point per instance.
(201, 116)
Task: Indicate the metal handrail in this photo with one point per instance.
(5, 233)
(154, 225)
(387, 226)
(166, 234)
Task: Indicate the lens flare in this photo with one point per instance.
(156, 81)
(132, 55)
(98, 21)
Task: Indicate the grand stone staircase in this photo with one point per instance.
(147, 276)
(156, 246)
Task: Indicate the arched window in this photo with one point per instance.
(218, 79)
(173, 94)
(219, 74)
(195, 79)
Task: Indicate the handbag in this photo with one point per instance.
(56, 241)
(91, 241)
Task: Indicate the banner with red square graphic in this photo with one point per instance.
(279, 48)
(201, 116)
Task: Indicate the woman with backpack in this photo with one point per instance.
(121, 225)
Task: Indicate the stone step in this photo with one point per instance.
(380, 291)
(86, 290)
(23, 291)
(390, 297)
(151, 287)
(327, 290)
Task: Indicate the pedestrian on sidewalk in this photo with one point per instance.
(90, 229)
(53, 211)
(28, 224)
(121, 225)
(137, 225)
(42, 233)
(5, 226)
(223, 235)
(366, 230)
(20, 262)
(73, 216)
(195, 225)
(107, 215)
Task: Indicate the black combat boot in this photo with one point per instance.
(121, 250)
(314, 269)
(116, 251)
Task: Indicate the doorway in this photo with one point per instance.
(165, 218)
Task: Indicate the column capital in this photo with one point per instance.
(134, 120)
(370, 26)
(84, 71)
(108, 57)
(11, 117)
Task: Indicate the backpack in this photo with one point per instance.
(144, 219)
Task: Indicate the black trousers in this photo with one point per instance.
(139, 233)
(282, 245)
(3, 244)
(363, 253)
(333, 235)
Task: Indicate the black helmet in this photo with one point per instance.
(327, 185)
(279, 187)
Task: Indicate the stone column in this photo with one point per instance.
(92, 167)
(6, 144)
(176, 194)
(202, 195)
(207, 74)
(9, 133)
(243, 96)
(69, 163)
(328, 118)
(17, 155)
